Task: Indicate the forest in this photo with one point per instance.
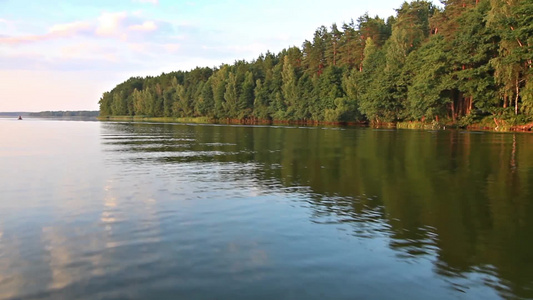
(467, 62)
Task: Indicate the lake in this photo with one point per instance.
(104, 210)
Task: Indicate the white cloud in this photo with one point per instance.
(109, 24)
(70, 28)
(120, 40)
(144, 27)
(123, 26)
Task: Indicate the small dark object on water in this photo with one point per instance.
(20, 117)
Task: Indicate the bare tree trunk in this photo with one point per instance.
(505, 99)
(516, 98)
(460, 102)
(452, 107)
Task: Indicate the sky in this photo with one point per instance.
(64, 54)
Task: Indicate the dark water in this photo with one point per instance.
(93, 210)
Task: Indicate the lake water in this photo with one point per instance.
(100, 210)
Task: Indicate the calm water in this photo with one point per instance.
(92, 210)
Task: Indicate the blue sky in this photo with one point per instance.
(62, 55)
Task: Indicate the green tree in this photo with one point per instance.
(231, 97)
(289, 88)
(246, 97)
(261, 102)
(105, 104)
(426, 69)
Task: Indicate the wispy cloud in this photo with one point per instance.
(54, 32)
(119, 25)
(144, 27)
(70, 28)
(121, 40)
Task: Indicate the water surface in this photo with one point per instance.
(95, 210)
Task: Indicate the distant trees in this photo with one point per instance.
(60, 114)
(473, 57)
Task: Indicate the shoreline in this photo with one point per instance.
(499, 126)
(206, 120)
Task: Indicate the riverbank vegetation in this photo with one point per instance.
(467, 63)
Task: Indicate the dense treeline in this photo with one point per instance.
(470, 59)
(14, 114)
(78, 113)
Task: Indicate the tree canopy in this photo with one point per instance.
(470, 58)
